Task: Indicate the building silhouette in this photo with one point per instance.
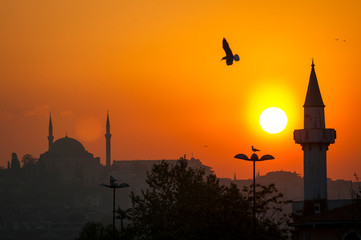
(68, 159)
(316, 217)
(314, 139)
(54, 197)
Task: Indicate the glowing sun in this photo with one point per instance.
(273, 120)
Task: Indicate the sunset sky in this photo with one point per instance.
(155, 65)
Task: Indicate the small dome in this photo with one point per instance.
(68, 147)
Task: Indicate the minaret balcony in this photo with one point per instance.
(326, 135)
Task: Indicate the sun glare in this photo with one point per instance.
(273, 120)
(88, 129)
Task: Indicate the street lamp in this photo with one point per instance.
(254, 158)
(114, 185)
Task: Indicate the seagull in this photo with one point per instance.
(229, 55)
(112, 181)
(255, 149)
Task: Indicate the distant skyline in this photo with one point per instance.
(156, 66)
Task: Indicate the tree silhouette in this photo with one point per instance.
(97, 231)
(184, 203)
(28, 161)
(122, 215)
(269, 211)
(15, 164)
(356, 206)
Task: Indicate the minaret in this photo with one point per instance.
(314, 139)
(50, 137)
(107, 145)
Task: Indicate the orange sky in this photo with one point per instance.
(156, 66)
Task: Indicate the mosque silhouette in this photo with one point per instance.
(68, 159)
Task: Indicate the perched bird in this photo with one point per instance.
(229, 55)
(112, 181)
(255, 149)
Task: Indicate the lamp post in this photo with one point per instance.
(254, 158)
(114, 185)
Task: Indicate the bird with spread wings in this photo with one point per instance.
(229, 55)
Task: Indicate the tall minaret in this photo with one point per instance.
(314, 139)
(107, 138)
(50, 137)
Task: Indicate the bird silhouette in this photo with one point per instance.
(112, 181)
(229, 55)
(255, 149)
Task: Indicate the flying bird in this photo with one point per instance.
(229, 55)
(255, 149)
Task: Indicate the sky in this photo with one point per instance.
(156, 66)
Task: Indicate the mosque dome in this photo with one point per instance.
(67, 146)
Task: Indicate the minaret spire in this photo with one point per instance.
(108, 124)
(314, 139)
(50, 137)
(107, 142)
(313, 96)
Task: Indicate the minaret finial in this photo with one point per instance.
(313, 62)
(50, 126)
(108, 124)
(50, 136)
(107, 142)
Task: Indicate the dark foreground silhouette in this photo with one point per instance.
(229, 55)
(185, 203)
